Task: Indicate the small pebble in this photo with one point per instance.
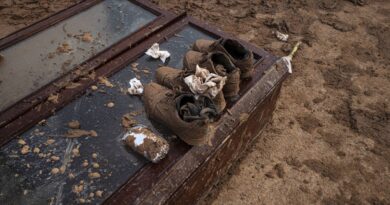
(110, 104)
(21, 142)
(95, 165)
(94, 155)
(55, 171)
(85, 163)
(25, 149)
(99, 193)
(94, 175)
(36, 150)
(54, 158)
(50, 141)
(94, 87)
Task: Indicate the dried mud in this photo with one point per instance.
(329, 141)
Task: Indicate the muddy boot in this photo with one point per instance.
(171, 78)
(238, 54)
(188, 118)
(191, 59)
(218, 63)
(220, 102)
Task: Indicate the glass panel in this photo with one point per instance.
(38, 60)
(26, 179)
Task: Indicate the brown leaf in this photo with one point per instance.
(128, 120)
(75, 133)
(105, 81)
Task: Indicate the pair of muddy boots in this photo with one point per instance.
(225, 57)
(171, 103)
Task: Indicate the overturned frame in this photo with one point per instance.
(187, 173)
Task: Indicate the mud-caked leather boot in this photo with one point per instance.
(238, 54)
(218, 63)
(181, 114)
(171, 78)
(174, 79)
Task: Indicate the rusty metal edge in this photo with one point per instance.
(27, 103)
(139, 185)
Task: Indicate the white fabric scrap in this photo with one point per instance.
(136, 87)
(205, 83)
(155, 53)
(281, 36)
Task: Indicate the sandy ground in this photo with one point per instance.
(329, 140)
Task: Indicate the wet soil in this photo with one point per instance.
(329, 139)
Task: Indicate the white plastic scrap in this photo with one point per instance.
(281, 36)
(136, 87)
(155, 53)
(205, 83)
(286, 60)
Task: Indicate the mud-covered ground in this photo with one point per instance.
(329, 140)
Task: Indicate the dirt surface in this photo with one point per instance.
(329, 140)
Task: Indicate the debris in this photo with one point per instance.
(94, 87)
(145, 142)
(95, 165)
(99, 193)
(128, 120)
(85, 163)
(75, 152)
(54, 158)
(155, 53)
(36, 150)
(25, 149)
(94, 175)
(21, 142)
(134, 65)
(205, 83)
(136, 87)
(94, 155)
(53, 98)
(74, 124)
(71, 176)
(55, 170)
(281, 36)
(74, 133)
(110, 104)
(64, 48)
(77, 189)
(72, 85)
(286, 60)
(62, 169)
(105, 81)
(50, 141)
(87, 37)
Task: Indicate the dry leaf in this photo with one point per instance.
(80, 133)
(53, 98)
(128, 121)
(106, 82)
(87, 37)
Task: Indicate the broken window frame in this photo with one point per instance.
(23, 106)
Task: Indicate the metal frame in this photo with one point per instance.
(23, 106)
(186, 172)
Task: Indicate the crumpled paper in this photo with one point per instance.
(205, 83)
(136, 87)
(155, 53)
(281, 36)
